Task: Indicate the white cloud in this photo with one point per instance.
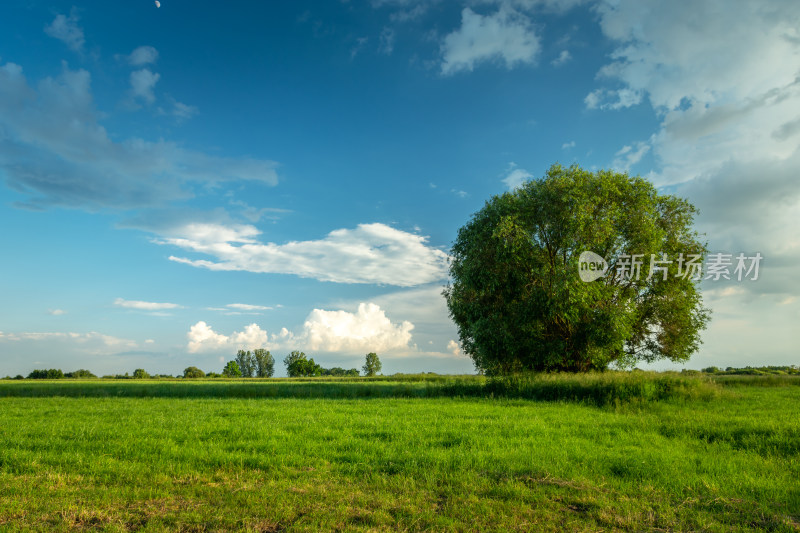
(459, 193)
(370, 253)
(425, 307)
(66, 29)
(142, 83)
(567, 146)
(454, 347)
(516, 176)
(562, 58)
(506, 35)
(252, 337)
(202, 338)
(55, 150)
(93, 338)
(144, 306)
(248, 307)
(183, 111)
(56, 312)
(366, 330)
(629, 155)
(612, 99)
(143, 55)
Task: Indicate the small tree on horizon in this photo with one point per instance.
(246, 362)
(297, 365)
(232, 370)
(192, 372)
(372, 365)
(140, 373)
(264, 363)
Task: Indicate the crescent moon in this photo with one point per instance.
(158, 4)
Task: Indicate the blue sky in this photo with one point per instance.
(180, 182)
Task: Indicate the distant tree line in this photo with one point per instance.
(258, 363)
(753, 371)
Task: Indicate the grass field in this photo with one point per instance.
(551, 453)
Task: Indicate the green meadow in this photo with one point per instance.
(601, 452)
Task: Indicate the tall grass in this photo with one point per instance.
(593, 389)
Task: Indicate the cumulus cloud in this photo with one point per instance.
(55, 150)
(144, 306)
(516, 176)
(370, 253)
(567, 146)
(56, 312)
(202, 338)
(66, 29)
(506, 36)
(143, 55)
(454, 347)
(368, 329)
(251, 337)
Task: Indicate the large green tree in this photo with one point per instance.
(518, 299)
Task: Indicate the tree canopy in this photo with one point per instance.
(518, 299)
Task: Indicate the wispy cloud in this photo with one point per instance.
(562, 58)
(370, 253)
(516, 176)
(56, 151)
(142, 83)
(629, 155)
(144, 306)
